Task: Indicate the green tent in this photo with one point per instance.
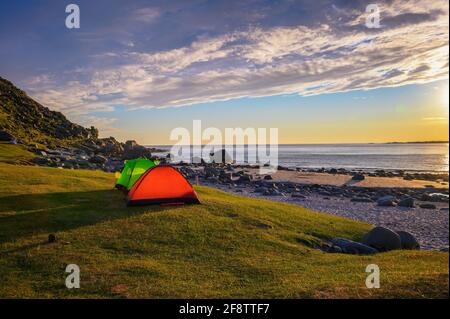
(132, 170)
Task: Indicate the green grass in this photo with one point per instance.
(14, 154)
(229, 246)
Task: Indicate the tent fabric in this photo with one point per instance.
(162, 185)
(132, 171)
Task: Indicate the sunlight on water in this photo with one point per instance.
(410, 157)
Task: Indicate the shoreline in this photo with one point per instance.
(430, 227)
(417, 206)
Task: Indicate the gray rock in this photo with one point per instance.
(358, 177)
(98, 159)
(42, 161)
(428, 206)
(244, 178)
(407, 202)
(352, 247)
(408, 240)
(382, 239)
(386, 201)
(6, 137)
(335, 250)
(220, 156)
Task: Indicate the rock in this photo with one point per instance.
(358, 177)
(98, 159)
(428, 206)
(132, 150)
(244, 178)
(444, 249)
(408, 240)
(260, 189)
(268, 177)
(386, 201)
(352, 247)
(407, 202)
(6, 137)
(335, 250)
(130, 144)
(51, 238)
(361, 200)
(42, 161)
(220, 156)
(382, 239)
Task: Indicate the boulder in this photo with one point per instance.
(352, 247)
(408, 240)
(42, 161)
(6, 137)
(335, 250)
(386, 201)
(244, 178)
(358, 177)
(407, 202)
(382, 239)
(98, 159)
(220, 156)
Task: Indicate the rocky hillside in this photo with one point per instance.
(57, 141)
(30, 122)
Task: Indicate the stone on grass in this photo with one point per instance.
(382, 239)
(408, 240)
(352, 247)
(51, 238)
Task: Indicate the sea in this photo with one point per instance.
(411, 157)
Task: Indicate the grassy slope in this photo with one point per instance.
(217, 249)
(14, 154)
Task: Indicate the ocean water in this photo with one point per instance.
(425, 157)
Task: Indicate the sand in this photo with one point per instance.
(340, 180)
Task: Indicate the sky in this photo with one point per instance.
(312, 69)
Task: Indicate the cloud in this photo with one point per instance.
(333, 55)
(146, 15)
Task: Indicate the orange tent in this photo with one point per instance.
(162, 185)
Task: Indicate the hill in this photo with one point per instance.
(229, 246)
(56, 140)
(31, 122)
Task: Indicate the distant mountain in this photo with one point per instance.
(30, 122)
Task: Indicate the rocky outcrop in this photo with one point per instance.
(30, 122)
